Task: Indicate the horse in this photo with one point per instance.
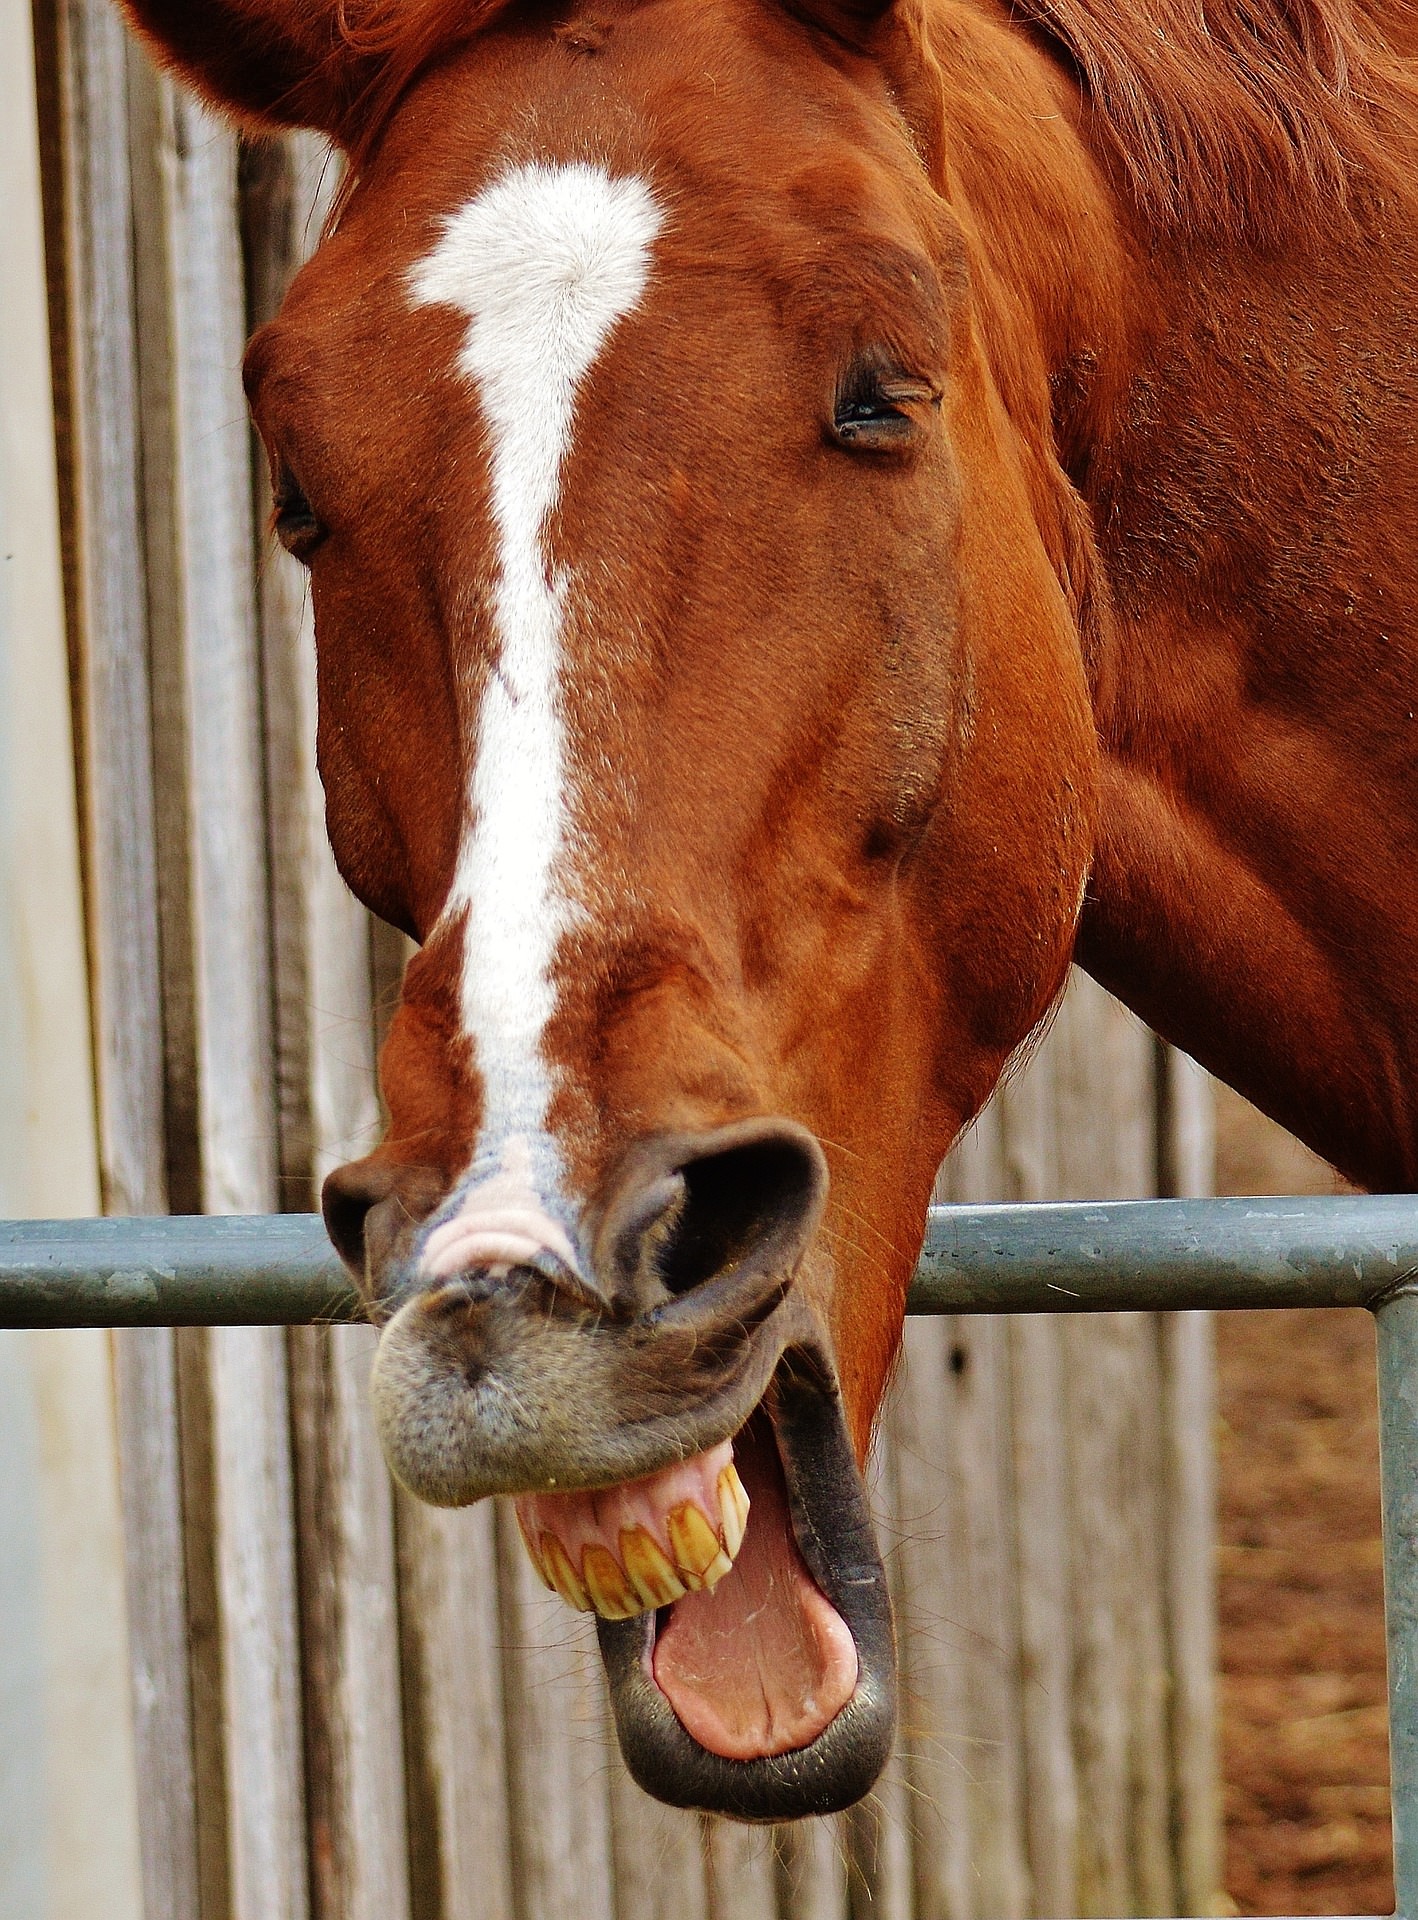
(819, 513)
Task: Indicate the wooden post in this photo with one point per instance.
(456, 1735)
(555, 1756)
(1187, 1145)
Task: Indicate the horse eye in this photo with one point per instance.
(878, 411)
(293, 519)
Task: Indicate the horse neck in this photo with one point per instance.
(1253, 895)
(1219, 441)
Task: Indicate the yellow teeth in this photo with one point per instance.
(563, 1576)
(534, 1554)
(607, 1585)
(701, 1560)
(698, 1559)
(733, 1510)
(651, 1574)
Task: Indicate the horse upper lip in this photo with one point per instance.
(487, 1386)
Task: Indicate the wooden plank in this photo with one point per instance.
(354, 1748)
(1187, 1152)
(878, 1844)
(812, 1871)
(328, 1105)
(982, 1501)
(94, 1863)
(934, 1647)
(554, 1703)
(145, 1382)
(255, 1563)
(48, 1149)
(220, 664)
(454, 1730)
(741, 1871)
(212, 846)
(658, 1852)
(1106, 1149)
(1153, 1863)
(1028, 1117)
(105, 505)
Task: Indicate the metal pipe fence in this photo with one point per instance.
(1157, 1255)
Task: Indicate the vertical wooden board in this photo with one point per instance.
(92, 1838)
(658, 1852)
(812, 1870)
(877, 1831)
(878, 1848)
(1188, 1368)
(1043, 1557)
(1103, 1064)
(255, 1563)
(196, 1454)
(105, 507)
(230, 939)
(145, 1381)
(741, 1871)
(1042, 1526)
(344, 1508)
(151, 160)
(555, 1720)
(324, 1027)
(1187, 1155)
(935, 1733)
(455, 1737)
(982, 1501)
(48, 1148)
(1153, 1888)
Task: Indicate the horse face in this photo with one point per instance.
(696, 690)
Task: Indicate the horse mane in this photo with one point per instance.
(392, 41)
(1226, 116)
(1240, 116)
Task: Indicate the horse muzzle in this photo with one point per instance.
(666, 1415)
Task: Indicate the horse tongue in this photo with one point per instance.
(762, 1664)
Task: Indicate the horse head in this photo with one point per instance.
(701, 688)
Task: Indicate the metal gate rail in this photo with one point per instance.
(1346, 1251)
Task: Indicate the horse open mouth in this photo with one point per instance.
(743, 1613)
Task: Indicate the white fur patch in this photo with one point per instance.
(544, 262)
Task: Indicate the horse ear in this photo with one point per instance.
(268, 63)
(301, 63)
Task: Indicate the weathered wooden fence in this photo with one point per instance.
(351, 1707)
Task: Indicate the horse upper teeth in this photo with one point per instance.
(534, 1553)
(733, 1510)
(611, 1593)
(644, 1577)
(696, 1547)
(651, 1574)
(563, 1576)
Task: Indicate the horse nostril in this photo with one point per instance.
(346, 1199)
(746, 1194)
(371, 1205)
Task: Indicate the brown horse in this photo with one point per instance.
(804, 499)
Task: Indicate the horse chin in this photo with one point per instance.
(772, 1697)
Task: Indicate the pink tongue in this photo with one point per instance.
(762, 1664)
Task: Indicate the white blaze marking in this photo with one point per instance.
(544, 262)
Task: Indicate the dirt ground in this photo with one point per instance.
(1303, 1720)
